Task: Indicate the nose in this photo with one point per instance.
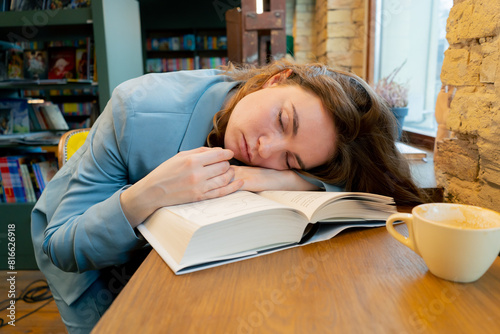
(269, 146)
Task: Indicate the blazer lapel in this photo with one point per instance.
(207, 106)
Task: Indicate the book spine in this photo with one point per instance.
(34, 119)
(2, 194)
(34, 181)
(47, 171)
(6, 181)
(16, 179)
(40, 117)
(28, 186)
(38, 176)
(54, 116)
(45, 115)
(78, 109)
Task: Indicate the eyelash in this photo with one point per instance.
(280, 120)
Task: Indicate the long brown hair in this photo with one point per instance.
(366, 158)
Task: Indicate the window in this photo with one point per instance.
(413, 31)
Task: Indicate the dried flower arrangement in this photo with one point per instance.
(394, 93)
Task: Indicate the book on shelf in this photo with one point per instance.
(15, 67)
(4, 5)
(22, 5)
(154, 65)
(55, 4)
(47, 116)
(6, 60)
(53, 62)
(36, 64)
(80, 124)
(27, 183)
(14, 117)
(77, 108)
(195, 236)
(23, 178)
(82, 63)
(206, 42)
(53, 116)
(71, 4)
(45, 171)
(157, 65)
(186, 42)
(11, 180)
(3, 64)
(62, 62)
(19, 5)
(213, 62)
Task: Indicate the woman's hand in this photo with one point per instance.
(189, 176)
(259, 179)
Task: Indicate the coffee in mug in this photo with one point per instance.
(457, 242)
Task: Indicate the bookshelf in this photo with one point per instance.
(185, 49)
(118, 35)
(165, 19)
(115, 30)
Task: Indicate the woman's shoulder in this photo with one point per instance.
(169, 87)
(177, 78)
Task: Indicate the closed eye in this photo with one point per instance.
(280, 119)
(286, 161)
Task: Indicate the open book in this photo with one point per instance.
(195, 236)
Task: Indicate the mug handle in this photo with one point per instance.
(407, 218)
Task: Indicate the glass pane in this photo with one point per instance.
(413, 32)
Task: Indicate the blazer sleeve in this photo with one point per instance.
(323, 185)
(86, 228)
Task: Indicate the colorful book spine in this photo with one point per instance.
(23, 178)
(6, 181)
(38, 176)
(28, 186)
(2, 194)
(77, 109)
(16, 179)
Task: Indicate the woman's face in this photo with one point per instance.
(281, 127)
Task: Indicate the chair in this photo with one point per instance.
(69, 143)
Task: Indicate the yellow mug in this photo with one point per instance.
(457, 242)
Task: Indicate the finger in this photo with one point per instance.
(216, 169)
(218, 181)
(223, 191)
(214, 156)
(196, 150)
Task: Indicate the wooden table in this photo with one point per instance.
(361, 281)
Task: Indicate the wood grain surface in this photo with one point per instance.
(44, 320)
(362, 281)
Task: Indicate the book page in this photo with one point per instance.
(312, 203)
(305, 201)
(223, 208)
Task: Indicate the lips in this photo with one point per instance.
(245, 151)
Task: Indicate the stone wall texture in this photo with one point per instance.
(333, 32)
(468, 166)
(303, 31)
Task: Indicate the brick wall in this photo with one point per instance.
(332, 31)
(303, 31)
(468, 166)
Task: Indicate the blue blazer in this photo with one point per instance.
(78, 226)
